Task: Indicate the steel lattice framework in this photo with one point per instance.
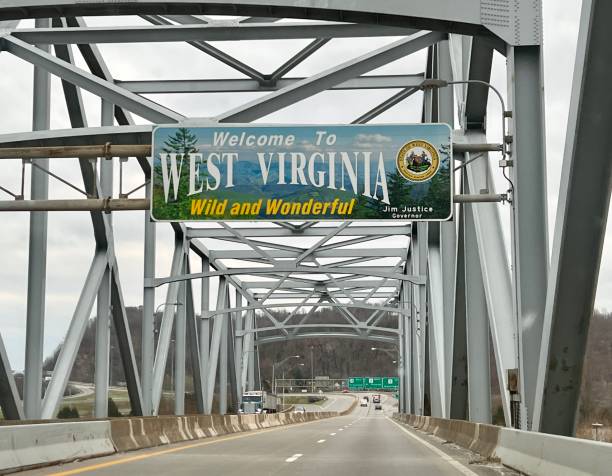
(443, 298)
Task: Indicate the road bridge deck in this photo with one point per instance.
(364, 442)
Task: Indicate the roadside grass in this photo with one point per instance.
(304, 400)
(85, 403)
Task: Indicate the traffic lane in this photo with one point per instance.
(260, 452)
(371, 446)
(334, 403)
(341, 403)
(389, 404)
(375, 444)
(359, 444)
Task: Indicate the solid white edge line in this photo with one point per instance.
(449, 459)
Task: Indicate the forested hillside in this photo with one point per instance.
(338, 358)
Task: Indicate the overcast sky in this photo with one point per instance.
(70, 235)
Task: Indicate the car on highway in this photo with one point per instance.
(364, 402)
(377, 402)
(299, 410)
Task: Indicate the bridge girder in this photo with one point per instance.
(461, 43)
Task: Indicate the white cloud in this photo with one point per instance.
(369, 141)
(309, 146)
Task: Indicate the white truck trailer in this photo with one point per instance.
(258, 401)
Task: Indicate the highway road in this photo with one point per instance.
(364, 443)
(336, 402)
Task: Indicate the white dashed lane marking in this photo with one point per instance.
(321, 441)
(295, 457)
(332, 434)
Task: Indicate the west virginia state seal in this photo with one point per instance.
(418, 161)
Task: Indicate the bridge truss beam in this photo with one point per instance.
(444, 288)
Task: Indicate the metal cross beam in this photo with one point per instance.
(519, 25)
(269, 232)
(324, 80)
(206, 32)
(114, 94)
(187, 86)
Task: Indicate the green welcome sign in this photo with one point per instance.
(325, 172)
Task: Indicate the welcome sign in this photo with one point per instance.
(284, 173)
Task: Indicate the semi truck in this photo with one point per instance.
(258, 401)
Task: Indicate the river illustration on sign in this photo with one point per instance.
(284, 173)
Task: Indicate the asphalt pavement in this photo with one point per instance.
(366, 442)
(334, 403)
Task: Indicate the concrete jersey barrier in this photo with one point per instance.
(540, 454)
(534, 454)
(24, 446)
(41, 444)
(135, 433)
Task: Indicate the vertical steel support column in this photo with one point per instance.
(167, 323)
(250, 352)
(459, 389)
(180, 328)
(251, 383)
(193, 345)
(401, 327)
(148, 312)
(419, 320)
(448, 231)
(495, 274)
(223, 357)
(477, 332)
(421, 334)
(580, 228)
(231, 362)
(37, 261)
(435, 326)
(441, 270)
(215, 343)
(406, 297)
(238, 344)
(530, 230)
(204, 327)
(102, 357)
(428, 320)
(103, 318)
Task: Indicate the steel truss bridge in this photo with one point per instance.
(442, 297)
